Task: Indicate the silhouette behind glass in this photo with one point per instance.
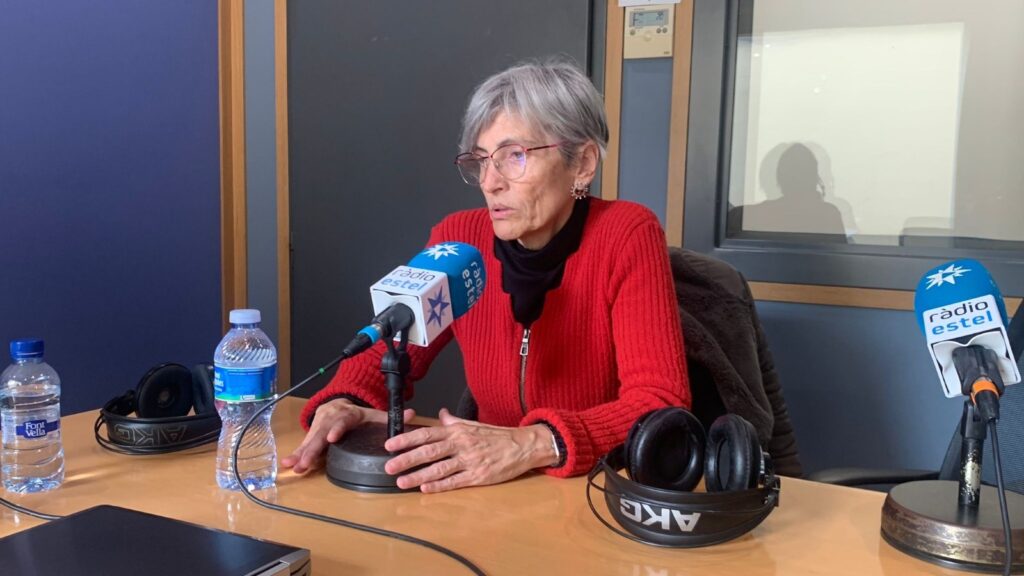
(800, 211)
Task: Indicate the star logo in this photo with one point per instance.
(947, 275)
(437, 307)
(442, 250)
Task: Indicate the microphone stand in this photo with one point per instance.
(357, 460)
(395, 366)
(920, 518)
(972, 437)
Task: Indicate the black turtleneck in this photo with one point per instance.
(527, 275)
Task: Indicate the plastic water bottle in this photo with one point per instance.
(245, 375)
(32, 457)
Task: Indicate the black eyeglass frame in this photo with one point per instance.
(463, 159)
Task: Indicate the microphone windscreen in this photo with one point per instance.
(953, 283)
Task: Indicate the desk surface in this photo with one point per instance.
(533, 525)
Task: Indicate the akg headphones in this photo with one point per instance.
(665, 455)
(162, 400)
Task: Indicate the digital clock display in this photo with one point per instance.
(642, 18)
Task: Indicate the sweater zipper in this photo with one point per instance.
(524, 352)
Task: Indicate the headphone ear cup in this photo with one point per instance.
(164, 392)
(733, 455)
(122, 405)
(631, 443)
(665, 449)
(202, 389)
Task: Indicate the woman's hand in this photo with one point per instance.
(332, 420)
(466, 453)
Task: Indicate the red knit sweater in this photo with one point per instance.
(607, 348)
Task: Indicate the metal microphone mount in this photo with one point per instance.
(957, 523)
(357, 460)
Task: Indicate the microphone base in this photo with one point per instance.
(923, 519)
(356, 462)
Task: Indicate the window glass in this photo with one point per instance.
(879, 123)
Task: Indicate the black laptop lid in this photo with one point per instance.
(112, 541)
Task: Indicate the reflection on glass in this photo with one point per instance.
(796, 202)
(879, 123)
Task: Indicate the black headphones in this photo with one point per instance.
(665, 455)
(162, 400)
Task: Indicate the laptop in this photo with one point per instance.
(113, 541)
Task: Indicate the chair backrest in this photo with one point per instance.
(727, 353)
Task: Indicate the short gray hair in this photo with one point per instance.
(554, 98)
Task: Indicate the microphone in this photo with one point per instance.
(963, 317)
(422, 298)
(418, 301)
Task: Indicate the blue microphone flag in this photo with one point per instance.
(958, 304)
(439, 284)
(464, 267)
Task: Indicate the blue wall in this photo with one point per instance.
(860, 386)
(109, 187)
(644, 126)
(261, 163)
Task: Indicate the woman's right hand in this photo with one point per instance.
(330, 422)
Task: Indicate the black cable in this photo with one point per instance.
(30, 512)
(1008, 563)
(126, 450)
(119, 449)
(330, 519)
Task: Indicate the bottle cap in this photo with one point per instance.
(26, 348)
(245, 316)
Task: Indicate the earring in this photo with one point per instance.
(579, 192)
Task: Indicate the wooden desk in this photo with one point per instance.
(534, 525)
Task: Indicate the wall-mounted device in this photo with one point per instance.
(648, 31)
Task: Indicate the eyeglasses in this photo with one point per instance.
(509, 160)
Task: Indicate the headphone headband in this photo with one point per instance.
(679, 519)
(154, 432)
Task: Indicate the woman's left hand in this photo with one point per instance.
(462, 453)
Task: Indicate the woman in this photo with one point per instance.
(581, 338)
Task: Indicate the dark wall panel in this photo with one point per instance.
(376, 94)
(858, 382)
(109, 187)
